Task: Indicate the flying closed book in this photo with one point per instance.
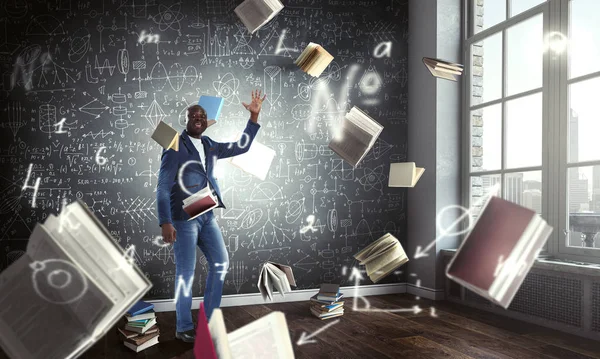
(256, 13)
(213, 106)
(443, 69)
(357, 136)
(257, 161)
(166, 136)
(382, 257)
(200, 203)
(404, 174)
(498, 252)
(275, 275)
(314, 59)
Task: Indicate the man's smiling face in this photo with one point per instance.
(197, 121)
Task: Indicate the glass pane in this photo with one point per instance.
(486, 78)
(524, 131)
(486, 138)
(488, 13)
(525, 52)
(584, 121)
(518, 6)
(525, 189)
(584, 206)
(584, 47)
(481, 187)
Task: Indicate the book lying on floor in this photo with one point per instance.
(264, 338)
(140, 308)
(329, 292)
(257, 161)
(498, 252)
(358, 135)
(127, 334)
(141, 343)
(404, 174)
(78, 276)
(166, 136)
(142, 316)
(324, 305)
(314, 59)
(275, 275)
(382, 257)
(443, 69)
(213, 106)
(200, 202)
(324, 314)
(256, 13)
(140, 327)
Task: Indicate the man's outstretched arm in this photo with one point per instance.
(243, 144)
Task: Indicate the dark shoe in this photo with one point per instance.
(188, 336)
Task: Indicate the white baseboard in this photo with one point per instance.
(424, 292)
(234, 300)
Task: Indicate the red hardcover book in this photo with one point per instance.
(203, 346)
(200, 203)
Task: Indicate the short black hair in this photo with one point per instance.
(195, 108)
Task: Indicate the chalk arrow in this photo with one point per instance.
(305, 339)
(420, 252)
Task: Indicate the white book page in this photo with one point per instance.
(218, 333)
(265, 338)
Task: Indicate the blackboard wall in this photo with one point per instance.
(113, 69)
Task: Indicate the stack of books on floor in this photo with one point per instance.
(327, 303)
(141, 331)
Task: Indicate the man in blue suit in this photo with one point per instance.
(183, 173)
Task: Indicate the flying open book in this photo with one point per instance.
(73, 274)
(275, 275)
(200, 202)
(443, 69)
(382, 257)
(257, 161)
(213, 106)
(404, 174)
(314, 59)
(166, 136)
(357, 136)
(256, 13)
(264, 338)
(498, 252)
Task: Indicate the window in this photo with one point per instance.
(532, 75)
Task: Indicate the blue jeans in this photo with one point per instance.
(206, 234)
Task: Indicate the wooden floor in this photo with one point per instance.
(455, 332)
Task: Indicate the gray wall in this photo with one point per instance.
(433, 132)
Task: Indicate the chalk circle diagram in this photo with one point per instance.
(176, 77)
(266, 191)
(295, 207)
(169, 17)
(16, 9)
(332, 220)
(227, 88)
(80, 45)
(58, 281)
(46, 25)
(252, 218)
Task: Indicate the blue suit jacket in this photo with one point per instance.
(169, 194)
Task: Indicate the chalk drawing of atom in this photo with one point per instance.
(227, 88)
(169, 17)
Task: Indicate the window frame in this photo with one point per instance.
(555, 82)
